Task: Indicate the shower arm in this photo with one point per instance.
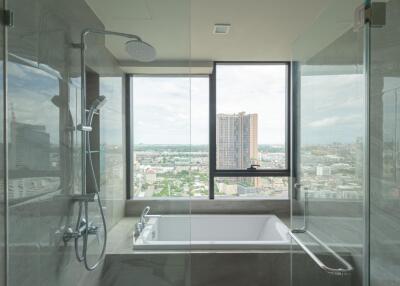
(83, 127)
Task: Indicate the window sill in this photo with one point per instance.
(205, 206)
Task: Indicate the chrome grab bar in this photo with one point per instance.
(334, 271)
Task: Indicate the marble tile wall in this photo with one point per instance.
(214, 269)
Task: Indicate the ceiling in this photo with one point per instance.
(182, 30)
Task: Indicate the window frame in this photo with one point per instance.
(217, 173)
(212, 115)
(129, 132)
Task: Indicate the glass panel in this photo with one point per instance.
(161, 145)
(384, 150)
(251, 116)
(112, 155)
(329, 163)
(44, 111)
(252, 187)
(167, 163)
(3, 208)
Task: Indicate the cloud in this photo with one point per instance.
(335, 120)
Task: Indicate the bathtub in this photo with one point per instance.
(213, 232)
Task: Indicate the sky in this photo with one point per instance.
(170, 110)
(332, 108)
(260, 89)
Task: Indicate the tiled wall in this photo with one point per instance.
(221, 268)
(44, 145)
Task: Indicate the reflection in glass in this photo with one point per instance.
(332, 145)
(111, 139)
(34, 131)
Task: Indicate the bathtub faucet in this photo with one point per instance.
(140, 225)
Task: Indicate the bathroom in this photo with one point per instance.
(199, 142)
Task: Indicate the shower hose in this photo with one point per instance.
(84, 211)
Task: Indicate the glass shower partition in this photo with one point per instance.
(161, 175)
(329, 166)
(3, 195)
(384, 148)
(45, 147)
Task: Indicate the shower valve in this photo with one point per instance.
(71, 234)
(89, 228)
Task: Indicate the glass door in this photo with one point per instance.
(3, 195)
(384, 148)
(328, 171)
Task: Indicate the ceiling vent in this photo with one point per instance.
(221, 29)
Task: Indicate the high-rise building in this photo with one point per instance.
(237, 140)
(30, 148)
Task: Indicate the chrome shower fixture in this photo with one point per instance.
(96, 105)
(141, 51)
(98, 102)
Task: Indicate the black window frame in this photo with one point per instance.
(129, 148)
(216, 173)
(213, 171)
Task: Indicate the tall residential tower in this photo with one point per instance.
(237, 140)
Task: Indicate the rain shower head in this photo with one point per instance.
(140, 51)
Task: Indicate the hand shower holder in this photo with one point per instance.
(84, 128)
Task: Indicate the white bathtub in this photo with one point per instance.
(213, 232)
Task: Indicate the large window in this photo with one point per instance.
(218, 136)
(170, 136)
(250, 131)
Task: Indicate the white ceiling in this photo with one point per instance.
(182, 29)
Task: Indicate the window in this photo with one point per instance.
(250, 130)
(251, 187)
(219, 136)
(170, 136)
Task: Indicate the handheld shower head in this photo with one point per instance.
(140, 51)
(96, 105)
(98, 102)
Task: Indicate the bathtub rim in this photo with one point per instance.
(204, 245)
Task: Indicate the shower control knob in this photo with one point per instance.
(70, 234)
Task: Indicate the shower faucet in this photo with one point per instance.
(140, 51)
(141, 224)
(84, 227)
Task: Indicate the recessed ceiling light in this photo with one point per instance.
(221, 29)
